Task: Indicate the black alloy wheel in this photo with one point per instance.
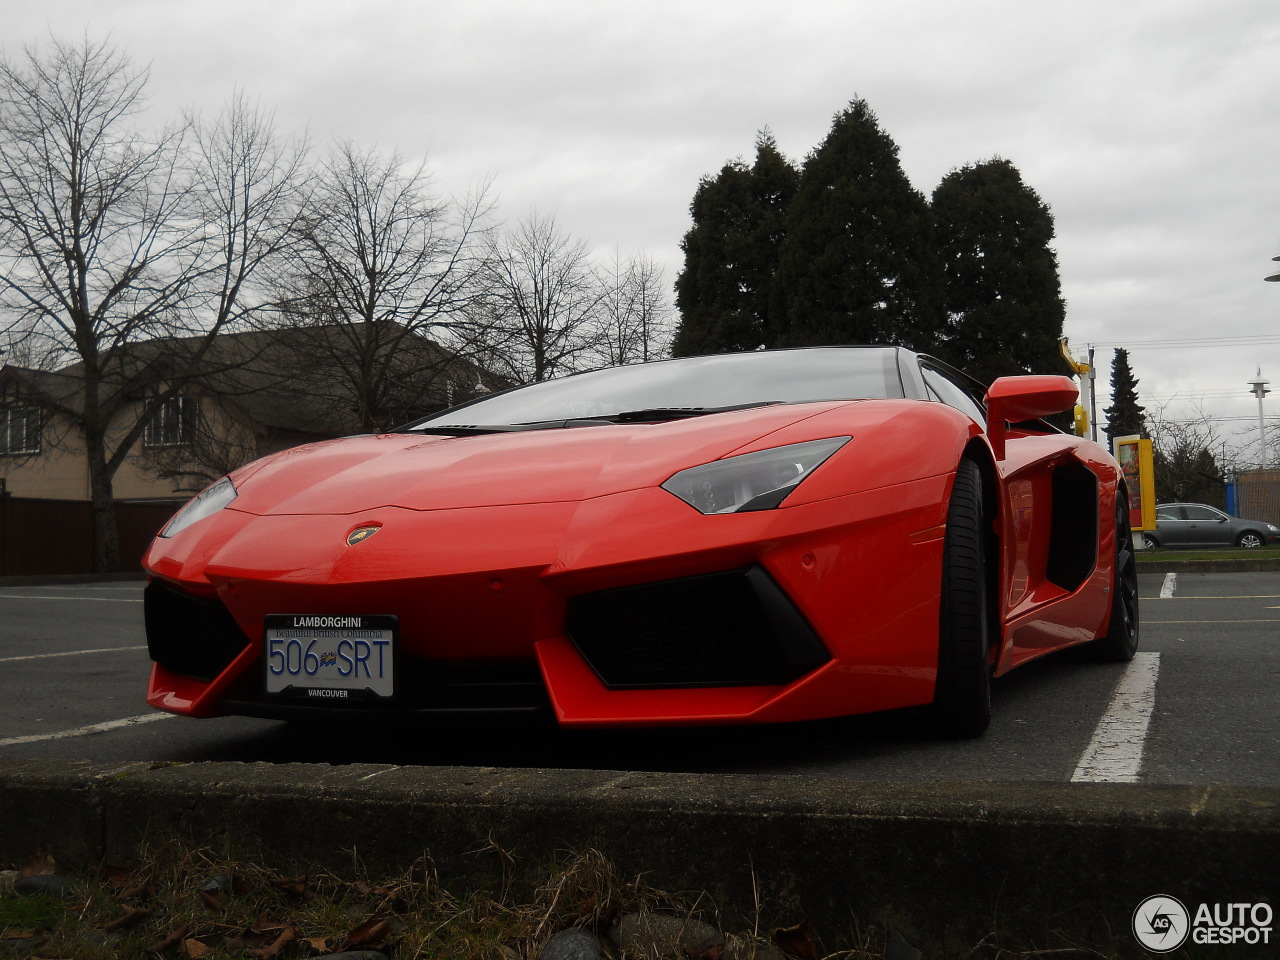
(962, 698)
(1121, 640)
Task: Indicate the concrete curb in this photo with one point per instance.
(944, 864)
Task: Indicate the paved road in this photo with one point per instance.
(1197, 706)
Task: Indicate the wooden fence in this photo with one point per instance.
(1258, 495)
(49, 537)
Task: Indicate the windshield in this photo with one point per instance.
(673, 388)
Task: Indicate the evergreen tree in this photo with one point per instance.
(858, 262)
(1125, 417)
(725, 290)
(1003, 299)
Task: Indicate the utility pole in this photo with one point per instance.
(1093, 398)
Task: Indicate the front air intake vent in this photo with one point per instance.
(191, 636)
(723, 629)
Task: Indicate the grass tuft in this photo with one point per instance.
(194, 905)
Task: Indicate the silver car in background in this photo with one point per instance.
(1200, 525)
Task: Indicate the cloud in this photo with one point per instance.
(1149, 128)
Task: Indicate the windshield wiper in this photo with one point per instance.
(649, 415)
(474, 429)
(662, 414)
(477, 429)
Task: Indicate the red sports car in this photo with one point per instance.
(744, 538)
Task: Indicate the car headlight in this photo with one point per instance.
(1273, 528)
(752, 481)
(208, 501)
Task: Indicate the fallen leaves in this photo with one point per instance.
(189, 906)
(131, 916)
(214, 893)
(127, 884)
(39, 864)
(172, 940)
(294, 887)
(373, 931)
(264, 941)
(796, 941)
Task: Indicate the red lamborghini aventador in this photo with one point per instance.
(746, 538)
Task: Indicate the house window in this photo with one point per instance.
(170, 426)
(19, 431)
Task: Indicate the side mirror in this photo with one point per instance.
(1013, 399)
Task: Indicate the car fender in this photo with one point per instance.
(1033, 606)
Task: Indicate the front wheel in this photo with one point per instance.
(962, 697)
(1120, 642)
(1249, 540)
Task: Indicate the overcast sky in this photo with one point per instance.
(1152, 129)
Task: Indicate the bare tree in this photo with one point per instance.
(1191, 460)
(110, 239)
(252, 189)
(541, 314)
(635, 313)
(383, 273)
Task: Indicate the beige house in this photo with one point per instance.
(43, 456)
(257, 393)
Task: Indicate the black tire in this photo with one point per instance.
(1150, 541)
(962, 698)
(1250, 540)
(1121, 640)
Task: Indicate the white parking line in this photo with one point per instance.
(1114, 755)
(1145, 620)
(69, 653)
(1169, 586)
(1241, 596)
(85, 731)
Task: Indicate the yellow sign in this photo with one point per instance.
(1137, 463)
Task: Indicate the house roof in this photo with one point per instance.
(310, 379)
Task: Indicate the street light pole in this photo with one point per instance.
(1259, 388)
(1258, 385)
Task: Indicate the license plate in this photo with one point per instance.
(330, 658)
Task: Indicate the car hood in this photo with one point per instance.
(423, 472)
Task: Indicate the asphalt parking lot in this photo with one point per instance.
(1196, 706)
